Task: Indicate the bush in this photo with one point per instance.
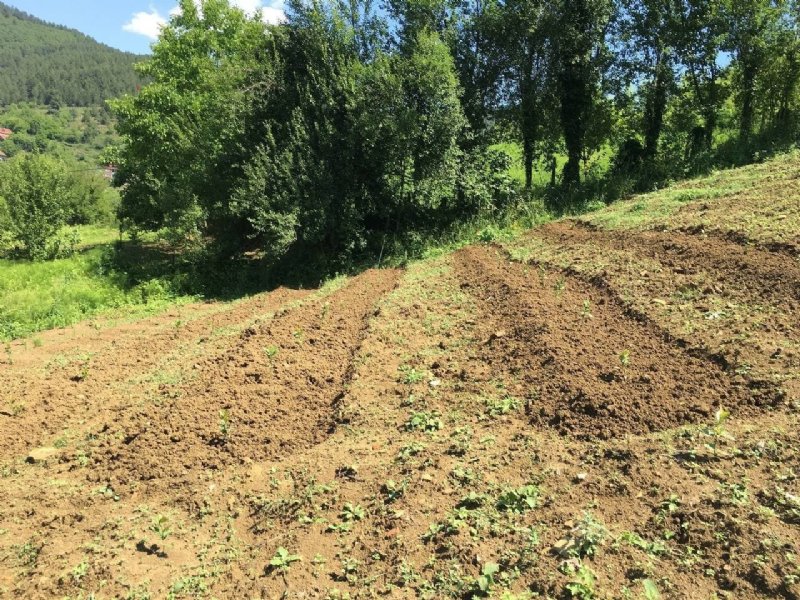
(36, 190)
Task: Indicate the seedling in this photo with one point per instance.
(352, 512)
(584, 538)
(393, 490)
(501, 406)
(410, 375)
(160, 527)
(271, 351)
(519, 500)
(282, 560)
(80, 571)
(486, 579)
(561, 285)
(650, 591)
(27, 554)
(224, 424)
(582, 586)
(412, 449)
(625, 358)
(586, 312)
(424, 421)
(716, 431)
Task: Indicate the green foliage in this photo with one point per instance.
(583, 584)
(36, 190)
(283, 559)
(39, 195)
(79, 134)
(519, 500)
(424, 421)
(182, 130)
(35, 296)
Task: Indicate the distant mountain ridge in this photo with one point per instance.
(50, 64)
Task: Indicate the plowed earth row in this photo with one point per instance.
(398, 433)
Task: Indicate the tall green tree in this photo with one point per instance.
(647, 35)
(580, 34)
(521, 32)
(181, 132)
(700, 34)
(747, 24)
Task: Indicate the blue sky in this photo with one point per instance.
(125, 24)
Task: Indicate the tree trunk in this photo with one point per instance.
(655, 107)
(749, 69)
(529, 121)
(527, 159)
(572, 120)
(574, 79)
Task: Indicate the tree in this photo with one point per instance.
(521, 32)
(747, 23)
(646, 31)
(580, 37)
(182, 131)
(699, 37)
(36, 191)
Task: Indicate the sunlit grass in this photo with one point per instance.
(35, 296)
(761, 201)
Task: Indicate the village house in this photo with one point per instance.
(3, 156)
(5, 134)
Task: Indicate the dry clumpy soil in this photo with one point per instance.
(593, 370)
(472, 426)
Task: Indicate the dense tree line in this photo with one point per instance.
(348, 125)
(53, 65)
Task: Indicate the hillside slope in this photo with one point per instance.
(49, 64)
(604, 407)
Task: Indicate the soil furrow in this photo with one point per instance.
(790, 249)
(742, 271)
(274, 393)
(592, 369)
(67, 396)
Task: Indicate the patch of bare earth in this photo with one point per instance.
(592, 369)
(472, 427)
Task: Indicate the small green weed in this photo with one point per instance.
(518, 500)
(424, 421)
(283, 559)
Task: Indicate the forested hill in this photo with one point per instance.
(49, 64)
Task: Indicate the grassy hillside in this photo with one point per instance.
(603, 407)
(48, 64)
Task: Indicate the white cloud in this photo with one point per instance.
(273, 15)
(148, 24)
(248, 6)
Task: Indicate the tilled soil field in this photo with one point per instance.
(578, 413)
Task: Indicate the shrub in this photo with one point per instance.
(36, 190)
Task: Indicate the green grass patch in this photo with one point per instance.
(36, 296)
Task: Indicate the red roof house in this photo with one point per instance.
(5, 134)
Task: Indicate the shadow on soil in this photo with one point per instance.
(161, 269)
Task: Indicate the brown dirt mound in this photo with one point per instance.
(592, 369)
(274, 393)
(69, 382)
(745, 271)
